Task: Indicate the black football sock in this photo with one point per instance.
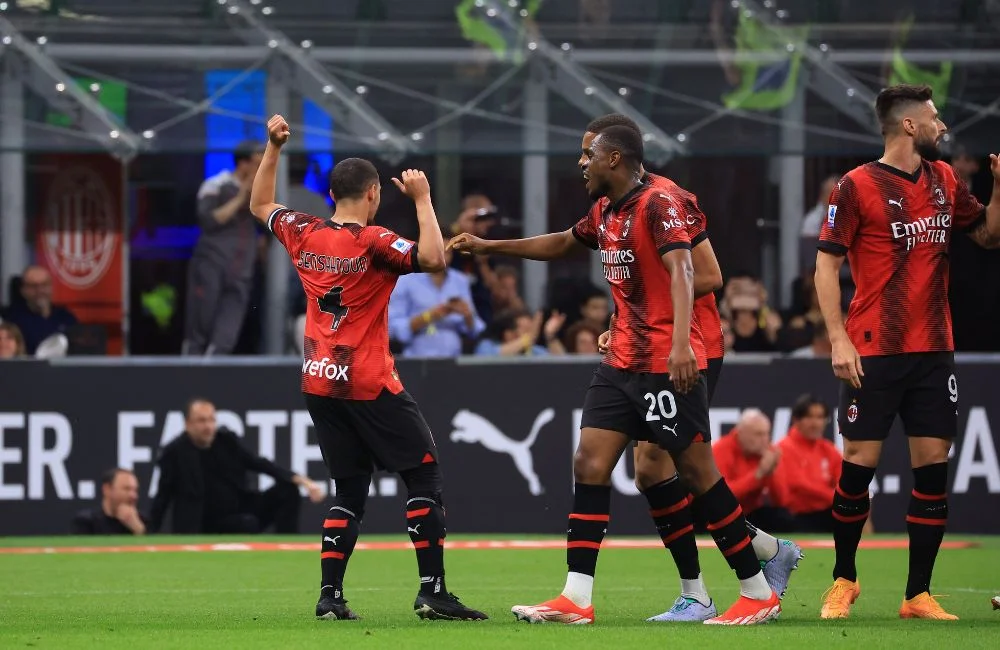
(670, 509)
(340, 533)
(850, 511)
(725, 521)
(425, 523)
(925, 522)
(588, 524)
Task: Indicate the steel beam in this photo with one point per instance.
(565, 76)
(215, 55)
(303, 72)
(38, 70)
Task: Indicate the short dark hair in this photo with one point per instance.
(190, 405)
(351, 178)
(506, 321)
(604, 122)
(804, 403)
(108, 477)
(626, 141)
(891, 99)
(569, 338)
(245, 150)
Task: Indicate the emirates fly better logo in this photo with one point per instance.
(80, 230)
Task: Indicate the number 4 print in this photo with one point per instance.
(331, 304)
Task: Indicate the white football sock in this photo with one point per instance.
(765, 546)
(579, 588)
(695, 590)
(755, 587)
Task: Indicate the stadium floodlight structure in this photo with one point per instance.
(578, 86)
(36, 69)
(831, 81)
(311, 79)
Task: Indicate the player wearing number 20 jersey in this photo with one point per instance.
(348, 273)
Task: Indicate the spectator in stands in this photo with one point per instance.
(748, 333)
(11, 341)
(514, 333)
(36, 316)
(220, 275)
(478, 215)
(965, 164)
(204, 474)
(595, 310)
(581, 338)
(118, 514)
(813, 220)
(820, 348)
(432, 315)
(748, 461)
(504, 289)
(809, 469)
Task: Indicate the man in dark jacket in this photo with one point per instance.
(204, 474)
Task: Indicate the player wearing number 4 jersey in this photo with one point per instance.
(893, 219)
(650, 386)
(364, 419)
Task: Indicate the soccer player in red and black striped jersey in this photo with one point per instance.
(650, 386)
(364, 419)
(655, 474)
(893, 220)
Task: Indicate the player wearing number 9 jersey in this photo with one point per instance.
(364, 419)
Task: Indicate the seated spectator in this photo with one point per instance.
(581, 338)
(503, 284)
(204, 474)
(809, 469)
(118, 514)
(595, 310)
(747, 461)
(820, 348)
(37, 317)
(514, 333)
(431, 314)
(11, 341)
(748, 334)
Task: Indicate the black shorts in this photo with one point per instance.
(358, 437)
(920, 387)
(646, 407)
(714, 370)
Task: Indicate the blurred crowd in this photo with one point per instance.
(475, 306)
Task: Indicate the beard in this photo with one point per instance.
(928, 150)
(598, 191)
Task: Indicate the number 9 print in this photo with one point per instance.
(953, 389)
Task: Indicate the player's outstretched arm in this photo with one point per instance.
(682, 364)
(987, 232)
(707, 274)
(542, 247)
(846, 360)
(262, 195)
(430, 244)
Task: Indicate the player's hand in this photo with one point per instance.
(278, 131)
(604, 342)
(315, 492)
(995, 166)
(413, 184)
(847, 362)
(683, 368)
(466, 243)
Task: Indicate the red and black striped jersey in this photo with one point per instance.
(348, 272)
(895, 229)
(706, 312)
(632, 235)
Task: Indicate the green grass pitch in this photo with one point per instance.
(265, 599)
